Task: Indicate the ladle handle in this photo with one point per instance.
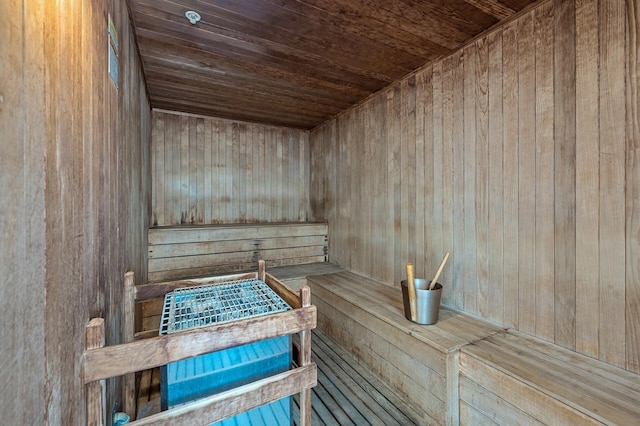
(439, 271)
(411, 286)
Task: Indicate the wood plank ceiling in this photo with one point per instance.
(296, 63)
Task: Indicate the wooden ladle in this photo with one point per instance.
(439, 271)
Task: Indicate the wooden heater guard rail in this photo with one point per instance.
(100, 362)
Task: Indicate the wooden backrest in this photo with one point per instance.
(197, 251)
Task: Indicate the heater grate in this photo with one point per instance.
(200, 306)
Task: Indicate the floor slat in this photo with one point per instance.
(387, 408)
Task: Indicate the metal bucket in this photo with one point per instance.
(427, 301)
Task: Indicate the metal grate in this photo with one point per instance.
(200, 306)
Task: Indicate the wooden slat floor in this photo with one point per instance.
(347, 393)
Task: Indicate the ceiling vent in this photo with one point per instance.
(193, 17)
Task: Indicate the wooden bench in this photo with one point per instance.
(179, 252)
(420, 362)
(510, 378)
(295, 276)
(463, 370)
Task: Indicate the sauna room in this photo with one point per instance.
(327, 212)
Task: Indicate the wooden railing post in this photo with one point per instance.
(304, 360)
(95, 397)
(262, 270)
(129, 307)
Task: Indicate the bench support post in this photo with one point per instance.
(304, 360)
(129, 308)
(452, 403)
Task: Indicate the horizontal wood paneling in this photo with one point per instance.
(184, 252)
(74, 186)
(214, 171)
(521, 163)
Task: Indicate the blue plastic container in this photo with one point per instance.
(205, 375)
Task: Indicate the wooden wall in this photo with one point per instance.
(519, 155)
(215, 171)
(75, 196)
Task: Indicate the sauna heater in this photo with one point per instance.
(205, 375)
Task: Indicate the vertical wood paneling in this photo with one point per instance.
(235, 172)
(420, 165)
(22, 221)
(226, 144)
(612, 182)
(530, 137)
(191, 174)
(469, 167)
(526, 175)
(446, 136)
(510, 172)
(544, 166)
(210, 170)
(159, 168)
(217, 207)
(395, 174)
(201, 171)
(434, 188)
(183, 189)
(260, 165)
(368, 130)
(632, 119)
(495, 280)
(565, 170)
(482, 177)
(74, 181)
(379, 158)
(587, 177)
(457, 142)
(206, 165)
(409, 123)
(356, 146)
(177, 206)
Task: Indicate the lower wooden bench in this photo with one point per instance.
(465, 371)
(510, 379)
(420, 362)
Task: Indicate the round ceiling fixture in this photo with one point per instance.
(193, 17)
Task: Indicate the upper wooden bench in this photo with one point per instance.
(177, 252)
(463, 370)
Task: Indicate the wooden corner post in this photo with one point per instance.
(129, 307)
(95, 397)
(304, 360)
